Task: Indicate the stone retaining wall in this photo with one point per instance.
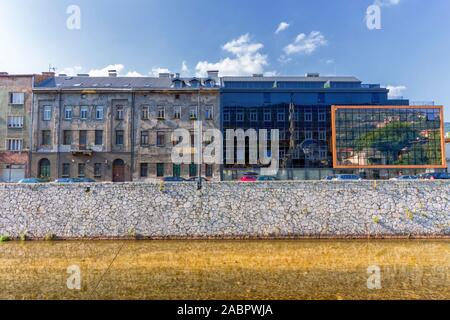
(227, 210)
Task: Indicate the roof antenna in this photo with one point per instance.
(51, 68)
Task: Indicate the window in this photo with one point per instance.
(308, 135)
(226, 116)
(208, 114)
(323, 135)
(67, 137)
(144, 170)
(145, 113)
(193, 113)
(17, 98)
(161, 113)
(15, 122)
(14, 144)
(321, 98)
(66, 170)
(267, 116)
(160, 169)
(98, 137)
(177, 113)
(323, 154)
(239, 116)
(68, 113)
(44, 168)
(98, 170)
(177, 170)
(144, 138)
(192, 170)
(209, 170)
(253, 116)
(322, 117)
(281, 116)
(99, 113)
(119, 137)
(81, 170)
(82, 139)
(119, 113)
(84, 111)
(282, 134)
(160, 139)
(308, 116)
(46, 137)
(47, 113)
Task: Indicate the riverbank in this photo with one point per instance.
(226, 210)
(191, 270)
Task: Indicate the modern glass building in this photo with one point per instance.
(380, 138)
(301, 108)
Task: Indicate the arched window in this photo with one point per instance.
(44, 168)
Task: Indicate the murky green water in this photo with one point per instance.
(226, 269)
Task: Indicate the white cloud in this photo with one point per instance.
(306, 44)
(71, 71)
(104, 72)
(134, 74)
(396, 91)
(281, 27)
(185, 69)
(157, 70)
(387, 3)
(246, 60)
(329, 61)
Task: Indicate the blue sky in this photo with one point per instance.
(410, 52)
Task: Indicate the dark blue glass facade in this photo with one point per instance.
(266, 105)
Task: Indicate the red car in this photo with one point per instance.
(249, 179)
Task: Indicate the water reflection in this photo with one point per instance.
(226, 269)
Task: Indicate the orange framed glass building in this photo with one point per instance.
(390, 138)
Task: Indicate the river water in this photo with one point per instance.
(226, 270)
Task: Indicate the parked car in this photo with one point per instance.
(267, 178)
(31, 181)
(346, 177)
(248, 179)
(328, 178)
(74, 180)
(195, 179)
(437, 176)
(252, 174)
(173, 179)
(63, 180)
(400, 178)
(83, 180)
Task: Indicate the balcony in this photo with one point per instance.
(81, 150)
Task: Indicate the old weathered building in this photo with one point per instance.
(118, 128)
(15, 107)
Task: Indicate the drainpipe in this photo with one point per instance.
(30, 129)
(58, 154)
(133, 136)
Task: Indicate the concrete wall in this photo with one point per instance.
(227, 210)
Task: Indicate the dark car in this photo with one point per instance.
(195, 179)
(83, 180)
(437, 176)
(173, 179)
(267, 178)
(31, 181)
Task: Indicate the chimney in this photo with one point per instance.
(42, 77)
(164, 75)
(4, 73)
(312, 75)
(83, 75)
(112, 73)
(258, 75)
(214, 74)
(177, 76)
(62, 75)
